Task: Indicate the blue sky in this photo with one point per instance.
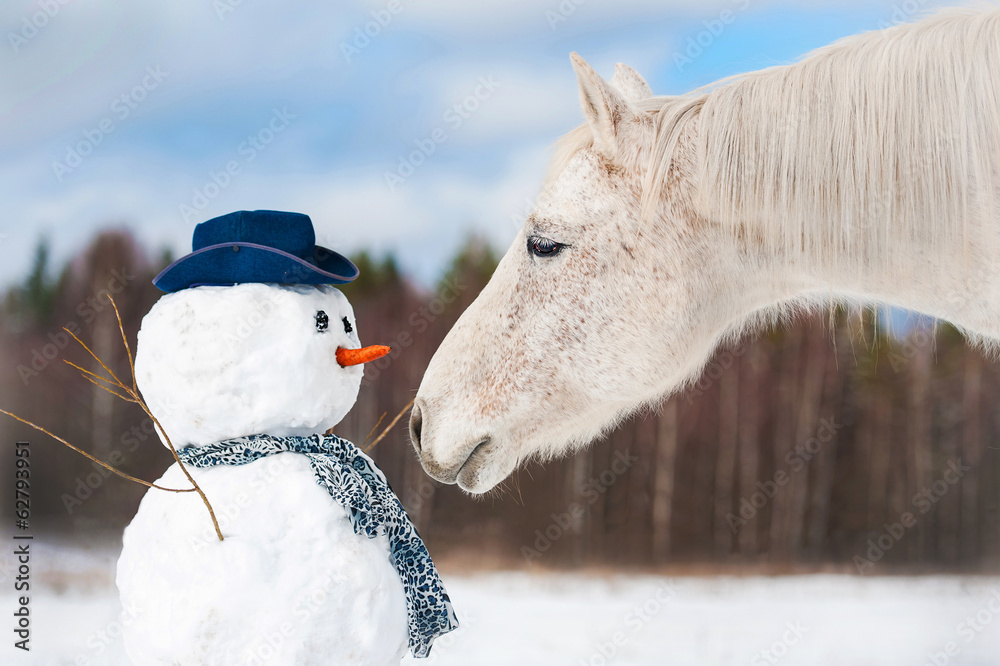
(194, 108)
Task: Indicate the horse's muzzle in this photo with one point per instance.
(446, 467)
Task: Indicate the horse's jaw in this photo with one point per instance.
(463, 435)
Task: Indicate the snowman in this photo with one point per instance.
(246, 361)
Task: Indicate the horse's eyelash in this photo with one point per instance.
(544, 237)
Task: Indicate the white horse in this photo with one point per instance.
(869, 171)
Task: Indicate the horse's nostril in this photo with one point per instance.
(416, 421)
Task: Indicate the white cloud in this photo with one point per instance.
(523, 100)
(423, 221)
(64, 79)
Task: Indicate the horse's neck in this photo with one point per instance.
(881, 186)
(954, 279)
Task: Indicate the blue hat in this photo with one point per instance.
(256, 246)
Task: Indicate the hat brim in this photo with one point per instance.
(238, 263)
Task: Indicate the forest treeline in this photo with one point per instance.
(823, 444)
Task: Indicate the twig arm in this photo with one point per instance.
(96, 460)
(133, 393)
(389, 427)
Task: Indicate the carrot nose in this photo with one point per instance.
(347, 357)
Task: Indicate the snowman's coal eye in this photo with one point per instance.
(322, 321)
(347, 325)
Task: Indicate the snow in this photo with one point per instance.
(821, 620)
(526, 619)
(292, 584)
(214, 363)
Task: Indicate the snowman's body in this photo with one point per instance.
(291, 583)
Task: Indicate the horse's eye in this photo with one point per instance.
(543, 247)
(322, 321)
(347, 325)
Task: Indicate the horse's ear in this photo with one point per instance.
(607, 110)
(630, 83)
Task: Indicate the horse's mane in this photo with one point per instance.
(879, 137)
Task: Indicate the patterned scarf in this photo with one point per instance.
(353, 480)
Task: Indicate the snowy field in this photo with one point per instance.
(522, 619)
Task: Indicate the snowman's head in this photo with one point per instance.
(214, 363)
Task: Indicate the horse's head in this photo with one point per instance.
(603, 303)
